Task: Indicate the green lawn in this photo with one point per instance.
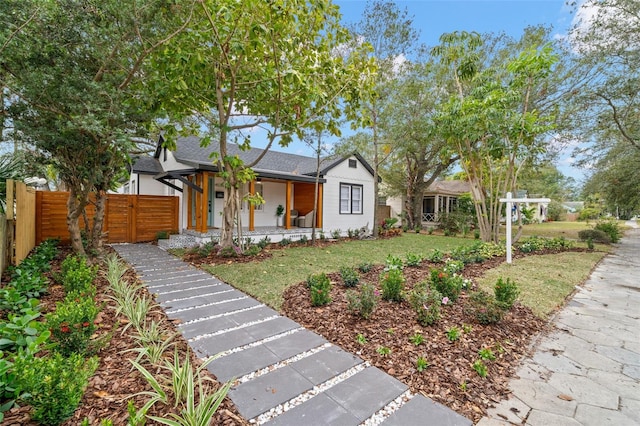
(545, 281)
(267, 280)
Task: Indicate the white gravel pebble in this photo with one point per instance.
(259, 342)
(379, 416)
(226, 330)
(175, 311)
(210, 317)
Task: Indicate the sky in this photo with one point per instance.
(435, 17)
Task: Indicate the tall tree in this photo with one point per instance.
(491, 120)
(390, 31)
(421, 153)
(71, 73)
(256, 63)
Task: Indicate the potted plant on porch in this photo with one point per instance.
(279, 213)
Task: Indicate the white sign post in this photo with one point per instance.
(510, 202)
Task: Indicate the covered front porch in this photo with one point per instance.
(275, 234)
(434, 206)
(205, 201)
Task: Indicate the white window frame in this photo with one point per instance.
(346, 194)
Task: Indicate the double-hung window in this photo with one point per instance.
(350, 199)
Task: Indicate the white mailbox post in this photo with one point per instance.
(510, 202)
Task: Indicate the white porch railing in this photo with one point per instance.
(430, 217)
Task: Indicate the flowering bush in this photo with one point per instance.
(71, 324)
(364, 302)
(506, 292)
(320, 289)
(426, 303)
(392, 283)
(447, 285)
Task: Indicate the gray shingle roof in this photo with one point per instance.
(190, 152)
(146, 165)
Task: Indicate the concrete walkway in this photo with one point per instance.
(284, 374)
(587, 372)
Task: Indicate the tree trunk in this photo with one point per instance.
(230, 209)
(96, 238)
(75, 206)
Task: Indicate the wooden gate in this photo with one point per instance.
(128, 218)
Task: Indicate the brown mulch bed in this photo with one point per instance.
(450, 378)
(115, 382)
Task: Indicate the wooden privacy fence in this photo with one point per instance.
(128, 218)
(17, 225)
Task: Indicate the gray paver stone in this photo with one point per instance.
(619, 354)
(199, 290)
(174, 284)
(589, 415)
(487, 421)
(254, 397)
(541, 396)
(206, 299)
(632, 371)
(366, 392)
(325, 364)
(318, 411)
(270, 328)
(512, 410)
(238, 364)
(542, 418)
(201, 312)
(618, 383)
(421, 409)
(557, 363)
(584, 390)
(592, 359)
(204, 327)
(631, 408)
(294, 343)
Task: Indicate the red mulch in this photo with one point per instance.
(450, 378)
(115, 381)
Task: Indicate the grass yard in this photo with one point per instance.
(545, 281)
(266, 280)
(569, 230)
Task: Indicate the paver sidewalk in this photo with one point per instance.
(284, 374)
(587, 372)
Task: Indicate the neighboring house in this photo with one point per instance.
(441, 197)
(345, 194)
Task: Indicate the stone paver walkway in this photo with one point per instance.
(587, 372)
(285, 374)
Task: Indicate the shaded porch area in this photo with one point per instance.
(205, 202)
(190, 238)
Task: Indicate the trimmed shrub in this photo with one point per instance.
(364, 302)
(484, 307)
(71, 324)
(609, 227)
(320, 289)
(76, 275)
(349, 276)
(594, 235)
(392, 283)
(506, 292)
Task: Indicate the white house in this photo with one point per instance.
(345, 193)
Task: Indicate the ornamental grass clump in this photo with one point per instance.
(506, 292)
(364, 302)
(320, 289)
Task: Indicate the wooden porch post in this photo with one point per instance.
(189, 204)
(204, 206)
(287, 206)
(252, 191)
(319, 212)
